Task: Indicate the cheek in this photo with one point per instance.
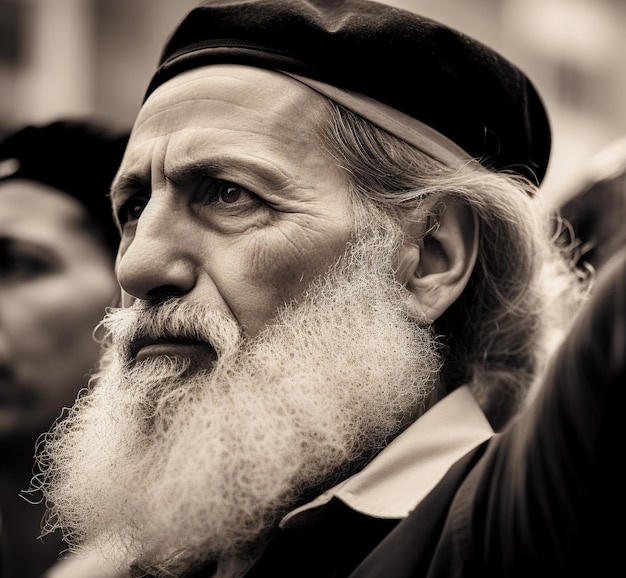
(273, 271)
(53, 350)
(49, 325)
(78, 316)
(57, 320)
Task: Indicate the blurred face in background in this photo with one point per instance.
(56, 278)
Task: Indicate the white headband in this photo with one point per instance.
(399, 124)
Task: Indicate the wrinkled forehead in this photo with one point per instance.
(222, 116)
(223, 91)
(296, 97)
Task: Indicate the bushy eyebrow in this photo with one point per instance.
(189, 172)
(128, 183)
(232, 168)
(219, 167)
(9, 245)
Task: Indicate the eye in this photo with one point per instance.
(230, 193)
(131, 209)
(22, 264)
(219, 192)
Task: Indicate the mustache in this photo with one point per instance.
(129, 328)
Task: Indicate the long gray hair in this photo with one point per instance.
(494, 335)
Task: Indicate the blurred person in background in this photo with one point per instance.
(595, 207)
(57, 251)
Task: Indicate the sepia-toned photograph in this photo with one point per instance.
(312, 288)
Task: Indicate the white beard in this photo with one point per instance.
(166, 466)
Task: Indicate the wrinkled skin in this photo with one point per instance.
(222, 202)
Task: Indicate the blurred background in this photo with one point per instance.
(95, 57)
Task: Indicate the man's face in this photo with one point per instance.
(55, 282)
(225, 196)
(268, 352)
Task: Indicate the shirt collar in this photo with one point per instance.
(394, 482)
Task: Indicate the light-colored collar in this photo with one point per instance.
(393, 483)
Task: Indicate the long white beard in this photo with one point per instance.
(168, 466)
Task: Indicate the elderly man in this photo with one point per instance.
(333, 262)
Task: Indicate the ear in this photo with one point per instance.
(435, 264)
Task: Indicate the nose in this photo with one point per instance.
(157, 262)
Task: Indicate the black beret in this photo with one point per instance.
(77, 156)
(446, 80)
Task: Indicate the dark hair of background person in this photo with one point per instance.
(77, 155)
